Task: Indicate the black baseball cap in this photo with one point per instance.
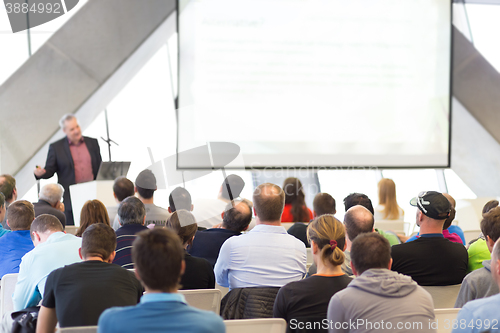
(432, 204)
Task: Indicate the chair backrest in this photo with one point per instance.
(398, 226)
(444, 319)
(268, 325)
(7, 286)
(79, 329)
(287, 225)
(222, 289)
(309, 255)
(444, 297)
(71, 229)
(203, 299)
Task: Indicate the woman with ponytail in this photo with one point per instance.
(307, 300)
(295, 205)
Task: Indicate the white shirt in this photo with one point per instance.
(264, 257)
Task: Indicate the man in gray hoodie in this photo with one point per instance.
(480, 283)
(378, 299)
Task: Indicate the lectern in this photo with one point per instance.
(101, 190)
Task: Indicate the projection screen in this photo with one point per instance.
(316, 83)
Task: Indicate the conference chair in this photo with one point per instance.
(287, 225)
(444, 297)
(78, 329)
(268, 325)
(203, 299)
(249, 303)
(7, 286)
(222, 289)
(444, 319)
(71, 229)
(397, 226)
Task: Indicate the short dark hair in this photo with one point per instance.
(157, 255)
(356, 224)
(489, 205)
(235, 184)
(269, 201)
(235, 219)
(323, 204)
(361, 199)
(184, 224)
(144, 192)
(7, 186)
(44, 223)
(179, 198)
(123, 187)
(490, 224)
(20, 215)
(370, 250)
(450, 218)
(2, 200)
(131, 210)
(98, 240)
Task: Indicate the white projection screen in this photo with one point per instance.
(316, 83)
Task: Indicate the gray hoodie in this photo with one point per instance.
(477, 284)
(380, 300)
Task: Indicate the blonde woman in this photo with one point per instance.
(307, 300)
(388, 208)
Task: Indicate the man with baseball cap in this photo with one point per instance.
(145, 187)
(431, 260)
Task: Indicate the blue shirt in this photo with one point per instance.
(160, 312)
(455, 229)
(267, 256)
(58, 250)
(13, 246)
(3, 231)
(476, 314)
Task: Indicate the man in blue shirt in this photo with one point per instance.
(158, 256)
(481, 315)
(15, 244)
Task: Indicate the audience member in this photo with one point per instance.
(295, 205)
(378, 296)
(199, 273)
(480, 283)
(158, 258)
(478, 249)
(77, 294)
(179, 198)
(49, 202)
(454, 229)
(481, 315)
(131, 214)
(53, 249)
(15, 244)
(3, 213)
(431, 260)
(388, 208)
(306, 301)
(208, 211)
(9, 190)
(122, 188)
(207, 243)
(93, 211)
(266, 256)
(145, 187)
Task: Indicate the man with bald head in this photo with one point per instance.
(207, 243)
(267, 256)
(431, 260)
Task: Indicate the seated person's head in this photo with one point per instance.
(20, 215)
(324, 203)
(52, 193)
(158, 257)
(8, 187)
(489, 205)
(44, 226)
(268, 201)
(231, 187)
(490, 226)
(98, 241)
(123, 188)
(93, 211)
(145, 184)
(237, 215)
(358, 220)
(433, 208)
(2, 206)
(184, 224)
(131, 210)
(326, 234)
(355, 199)
(179, 198)
(370, 250)
(450, 218)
